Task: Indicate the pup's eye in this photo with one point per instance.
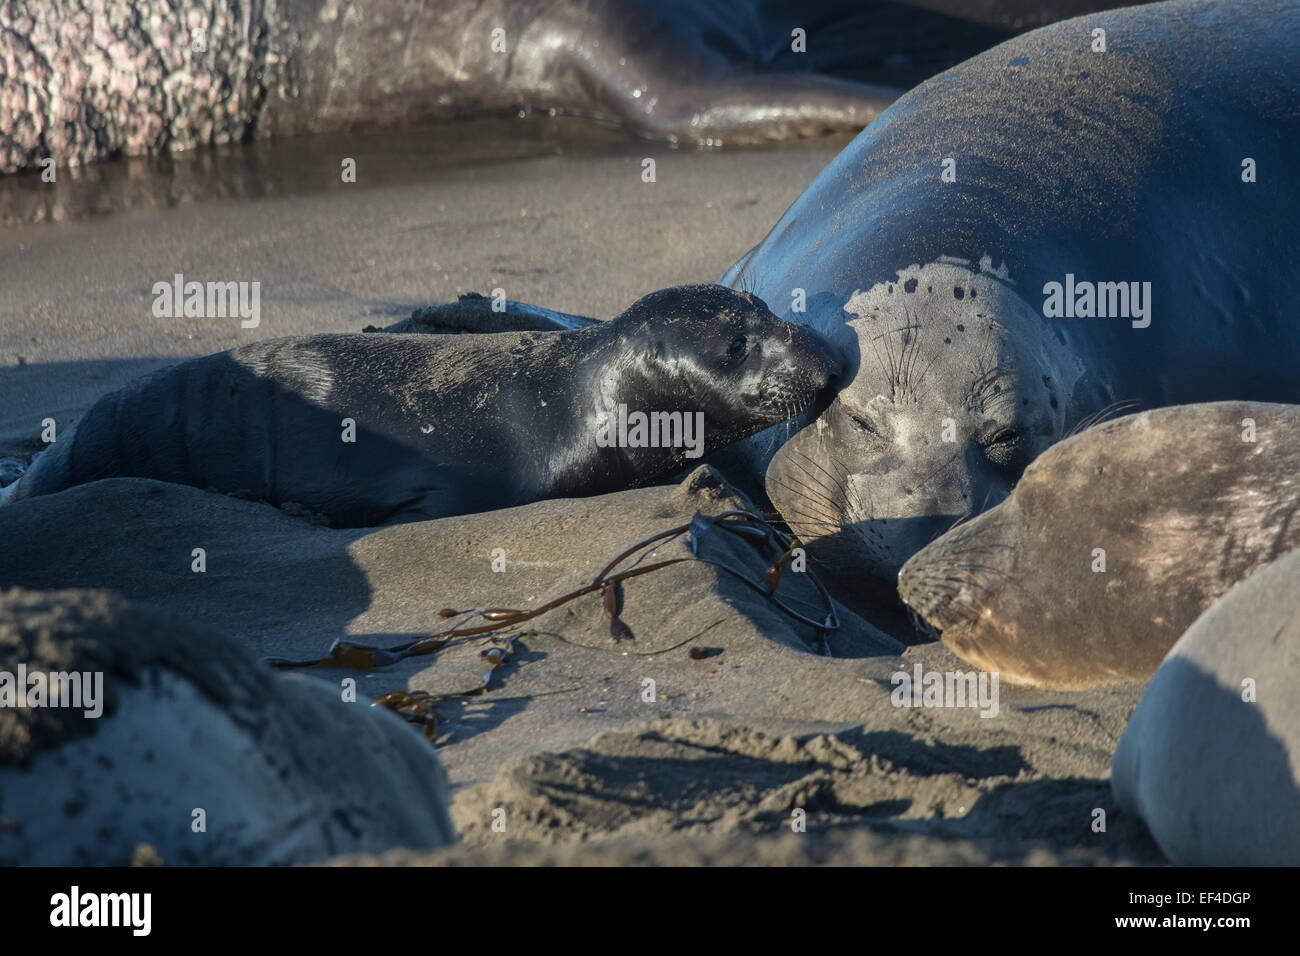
(1004, 436)
(737, 346)
(864, 424)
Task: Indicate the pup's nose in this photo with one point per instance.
(827, 354)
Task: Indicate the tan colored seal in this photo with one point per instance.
(1113, 543)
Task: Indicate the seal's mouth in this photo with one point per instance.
(787, 393)
(953, 582)
(800, 378)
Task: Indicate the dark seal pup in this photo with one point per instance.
(365, 429)
(1113, 542)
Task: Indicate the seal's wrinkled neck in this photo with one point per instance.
(616, 420)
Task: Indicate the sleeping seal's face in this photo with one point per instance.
(725, 350)
(951, 398)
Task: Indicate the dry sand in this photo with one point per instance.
(585, 767)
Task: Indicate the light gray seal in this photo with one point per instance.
(1104, 242)
(168, 734)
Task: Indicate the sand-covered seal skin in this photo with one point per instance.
(1116, 166)
(186, 719)
(365, 429)
(1210, 759)
(87, 80)
(1113, 542)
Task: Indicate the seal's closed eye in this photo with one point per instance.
(1004, 447)
(865, 425)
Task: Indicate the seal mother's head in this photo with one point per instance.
(952, 390)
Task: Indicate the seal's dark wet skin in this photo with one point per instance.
(365, 429)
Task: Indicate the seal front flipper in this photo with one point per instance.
(474, 314)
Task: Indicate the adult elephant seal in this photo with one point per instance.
(1211, 757)
(1069, 165)
(1113, 542)
(1072, 166)
(157, 717)
(84, 81)
(364, 429)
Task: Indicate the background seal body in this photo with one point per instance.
(448, 424)
(1210, 759)
(91, 80)
(285, 771)
(1119, 166)
(1113, 543)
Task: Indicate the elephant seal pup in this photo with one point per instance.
(153, 730)
(365, 429)
(1113, 542)
(1211, 757)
